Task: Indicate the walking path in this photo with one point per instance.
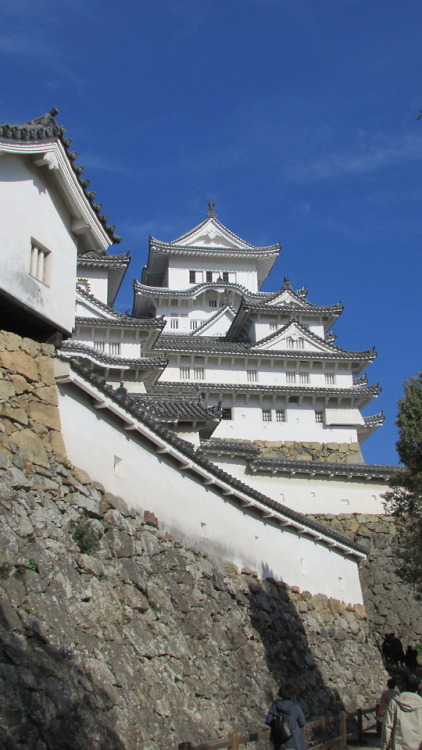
(372, 743)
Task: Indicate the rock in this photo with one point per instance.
(30, 446)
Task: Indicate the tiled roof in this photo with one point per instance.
(192, 291)
(364, 394)
(75, 349)
(169, 248)
(302, 524)
(123, 321)
(180, 410)
(103, 259)
(45, 128)
(220, 345)
(321, 468)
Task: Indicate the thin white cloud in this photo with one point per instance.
(369, 160)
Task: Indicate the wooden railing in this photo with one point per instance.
(317, 727)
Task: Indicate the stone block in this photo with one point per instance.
(114, 501)
(7, 390)
(45, 415)
(56, 442)
(45, 366)
(14, 413)
(47, 394)
(19, 362)
(30, 446)
(151, 519)
(332, 446)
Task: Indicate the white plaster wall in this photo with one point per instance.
(312, 495)
(300, 425)
(130, 346)
(242, 271)
(194, 512)
(31, 209)
(98, 282)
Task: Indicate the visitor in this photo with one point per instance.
(411, 658)
(287, 705)
(402, 727)
(383, 703)
(397, 653)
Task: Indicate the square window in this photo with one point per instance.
(193, 324)
(304, 377)
(39, 265)
(99, 346)
(280, 415)
(199, 373)
(266, 415)
(319, 417)
(226, 413)
(192, 277)
(114, 348)
(209, 275)
(291, 376)
(225, 276)
(184, 373)
(174, 302)
(329, 378)
(174, 323)
(252, 376)
(212, 303)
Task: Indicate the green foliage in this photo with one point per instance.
(85, 536)
(32, 565)
(404, 500)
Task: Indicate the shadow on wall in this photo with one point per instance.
(48, 700)
(288, 653)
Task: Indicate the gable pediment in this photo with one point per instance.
(286, 297)
(218, 324)
(211, 233)
(295, 337)
(92, 308)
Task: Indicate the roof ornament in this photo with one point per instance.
(286, 283)
(211, 210)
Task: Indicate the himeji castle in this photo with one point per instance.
(252, 378)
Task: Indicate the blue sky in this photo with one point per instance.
(296, 117)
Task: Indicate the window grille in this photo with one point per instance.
(301, 343)
(174, 302)
(280, 415)
(39, 266)
(290, 376)
(209, 275)
(290, 343)
(212, 303)
(319, 417)
(114, 348)
(266, 415)
(184, 372)
(99, 346)
(174, 323)
(192, 277)
(304, 377)
(329, 378)
(194, 324)
(252, 376)
(199, 373)
(226, 413)
(273, 325)
(225, 275)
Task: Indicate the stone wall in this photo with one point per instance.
(349, 453)
(390, 603)
(112, 634)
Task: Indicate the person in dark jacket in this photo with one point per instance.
(286, 704)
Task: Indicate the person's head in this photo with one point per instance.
(288, 690)
(391, 684)
(411, 683)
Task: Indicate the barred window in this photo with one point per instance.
(39, 266)
(174, 322)
(184, 372)
(194, 324)
(266, 415)
(99, 346)
(304, 377)
(329, 378)
(291, 376)
(225, 276)
(273, 325)
(212, 303)
(280, 415)
(209, 275)
(290, 342)
(226, 413)
(319, 417)
(192, 277)
(199, 373)
(300, 343)
(252, 376)
(114, 348)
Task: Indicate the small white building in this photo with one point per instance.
(47, 217)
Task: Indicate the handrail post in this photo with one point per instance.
(323, 729)
(360, 725)
(234, 742)
(343, 730)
